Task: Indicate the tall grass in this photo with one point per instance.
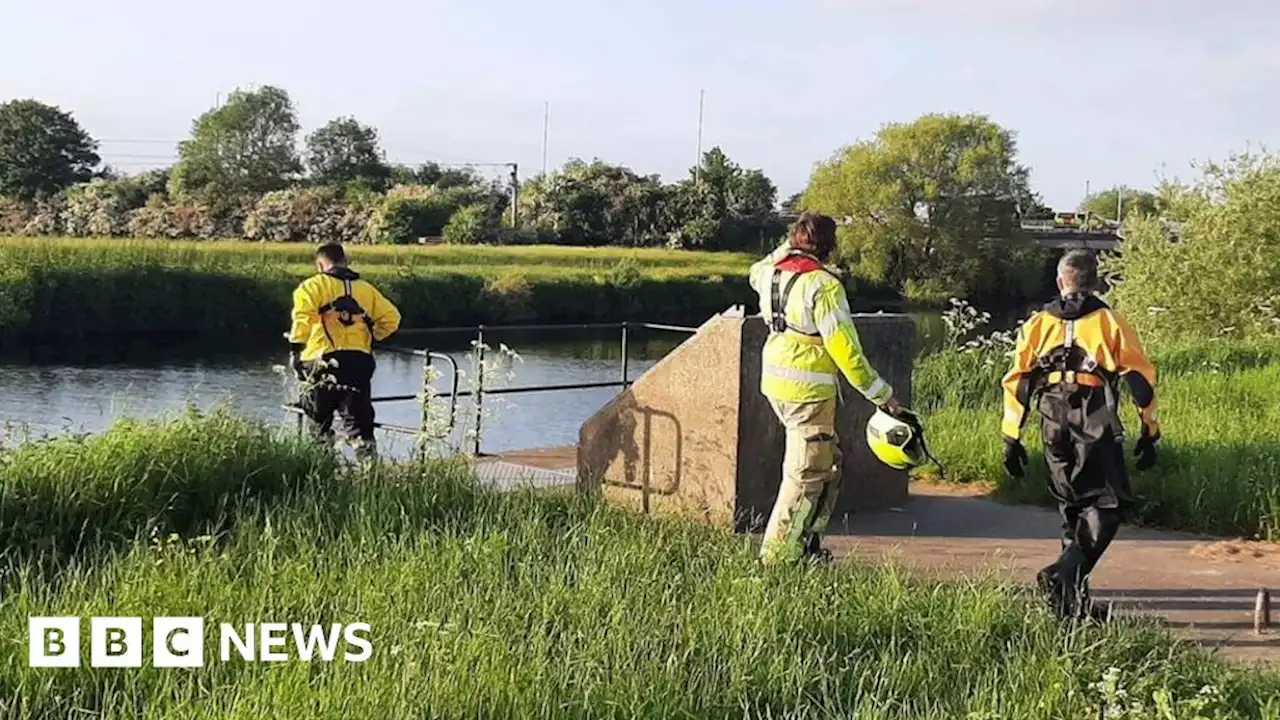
(552, 605)
(1219, 466)
(69, 289)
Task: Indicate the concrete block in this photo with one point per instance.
(693, 436)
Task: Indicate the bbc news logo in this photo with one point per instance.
(175, 642)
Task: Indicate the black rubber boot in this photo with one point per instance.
(813, 549)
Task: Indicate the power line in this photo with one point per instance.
(125, 141)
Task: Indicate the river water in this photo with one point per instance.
(85, 389)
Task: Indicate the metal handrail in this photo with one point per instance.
(479, 391)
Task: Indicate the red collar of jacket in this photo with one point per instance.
(798, 263)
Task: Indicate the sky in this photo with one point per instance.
(1102, 92)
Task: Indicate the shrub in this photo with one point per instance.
(46, 218)
(316, 214)
(468, 225)
(102, 207)
(159, 219)
(409, 212)
(13, 216)
(509, 298)
(153, 220)
(926, 292)
(1221, 277)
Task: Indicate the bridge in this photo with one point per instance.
(1072, 239)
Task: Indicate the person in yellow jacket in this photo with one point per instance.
(1068, 362)
(812, 339)
(336, 319)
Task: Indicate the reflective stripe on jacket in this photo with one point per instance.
(801, 364)
(323, 332)
(1107, 343)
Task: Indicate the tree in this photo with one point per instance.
(1218, 275)
(912, 202)
(1131, 203)
(345, 152)
(598, 204)
(42, 150)
(723, 207)
(430, 173)
(242, 149)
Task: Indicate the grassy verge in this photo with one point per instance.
(1219, 469)
(65, 289)
(525, 605)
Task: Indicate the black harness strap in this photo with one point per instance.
(349, 307)
(779, 300)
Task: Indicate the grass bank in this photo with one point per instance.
(68, 289)
(1219, 467)
(525, 605)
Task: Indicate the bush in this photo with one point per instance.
(13, 216)
(926, 292)
(1221, 278)
(468, 226)
(409, 212)
(102, 207)
(316, 214)
(153, 220)
(46, 218)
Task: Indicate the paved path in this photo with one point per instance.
(1202, 586)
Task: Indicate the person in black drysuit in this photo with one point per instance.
(336, 318)
(1069, 361)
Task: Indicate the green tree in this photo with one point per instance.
(241, 150)
(912, 203)
(42, 150)
(723, 207)
(1216, 273)
(1130, 202)
(598, 204)
(430, 173)
(344, 152)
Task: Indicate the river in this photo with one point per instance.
(44, 391)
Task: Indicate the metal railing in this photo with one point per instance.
(478, 391)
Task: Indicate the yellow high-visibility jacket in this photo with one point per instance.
(1110, 351)
(323, 329)
(801, 363)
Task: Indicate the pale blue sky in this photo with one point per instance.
(1111, 91)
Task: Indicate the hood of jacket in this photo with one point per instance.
(342, 273)
(1075, 306)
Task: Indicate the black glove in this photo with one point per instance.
(1145, 449)
(295, 362)
(1015, 457)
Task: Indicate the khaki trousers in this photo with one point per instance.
(810, 479)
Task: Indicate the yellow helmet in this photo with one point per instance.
(897, 440)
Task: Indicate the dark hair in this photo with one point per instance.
(1079, 270)
(814, 233)
(332, 252)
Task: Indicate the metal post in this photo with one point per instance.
(546, 132)
(697, 166)
(479, 392)
(425, 419)
(515, 195)
(624, 355)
